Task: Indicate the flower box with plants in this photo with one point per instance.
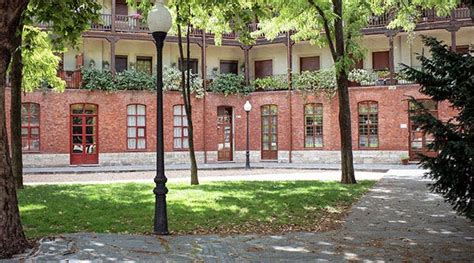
(360, 77)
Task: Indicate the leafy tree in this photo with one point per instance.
(186, 13)
(448, 77)
(321, 23)
(66, 20)
(33, 65)
(404, 15)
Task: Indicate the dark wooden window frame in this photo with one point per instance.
(388, 60)
(255, 67)
(314, 125)
(146, 58)
(29, 138)
(182, 137)
(369, 126)
(301, 58)
(191, 61)
(120, 56)
(228, 61)
(136, 127)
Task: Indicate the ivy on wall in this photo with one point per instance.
(314, 82)
(230, 84)
(96, 79)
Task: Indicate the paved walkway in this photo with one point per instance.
(399, 220)
(213, 166)
(204, 176)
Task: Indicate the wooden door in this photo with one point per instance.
(84, 134)
(193, 65)
(121, 63)
(309, 64)
(263, 68)
(380, 60)
(121, 8)
(269, 132)
(419, 140)
(229, 66)
(224, 134)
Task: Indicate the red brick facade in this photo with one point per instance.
(112, 117)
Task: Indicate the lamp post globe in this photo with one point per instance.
(159, 23)
(247, 108)
(159, 18)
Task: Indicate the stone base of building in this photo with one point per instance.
(149, 158)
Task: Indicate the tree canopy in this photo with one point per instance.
(40, 63)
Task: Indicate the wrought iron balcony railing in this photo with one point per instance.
(137, 24)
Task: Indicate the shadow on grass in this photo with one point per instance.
(210, 207)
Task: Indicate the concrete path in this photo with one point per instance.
(204, 176)
(213, 166)
(399, 220)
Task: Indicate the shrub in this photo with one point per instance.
(134, 80)
(172, 81)
(278, 82)
(321, 81)
(361, 76)
(230, 84)
(95, 79)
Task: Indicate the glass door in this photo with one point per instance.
(84, 134)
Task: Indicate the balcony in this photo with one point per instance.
(137, 23)
(73, 78)
(427, 16)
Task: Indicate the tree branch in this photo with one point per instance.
(326, 28)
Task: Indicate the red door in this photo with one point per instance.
(419, 140)
(269, 132)
(224, 133)
(84, 134)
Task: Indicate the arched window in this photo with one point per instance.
(368, 124)
(136, 127)
(30, 127)
(180, 128)
(313, 125)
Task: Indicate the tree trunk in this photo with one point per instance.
(347, 165)
(186, 92)
(15, 111)
(12, 238)
(188, 106)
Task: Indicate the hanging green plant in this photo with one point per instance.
(277, 82)
(230, 84)
(316, 82)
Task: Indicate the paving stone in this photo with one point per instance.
(398, 220)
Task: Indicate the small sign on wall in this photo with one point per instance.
(403, 126)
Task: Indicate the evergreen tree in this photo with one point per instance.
(448, 77)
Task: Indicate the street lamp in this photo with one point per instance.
(159, 23)
(247, 108)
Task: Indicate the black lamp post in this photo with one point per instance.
(247, 108)
(159, 23)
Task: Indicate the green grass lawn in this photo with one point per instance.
(220, 207)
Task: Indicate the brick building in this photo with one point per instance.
(89, 127)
